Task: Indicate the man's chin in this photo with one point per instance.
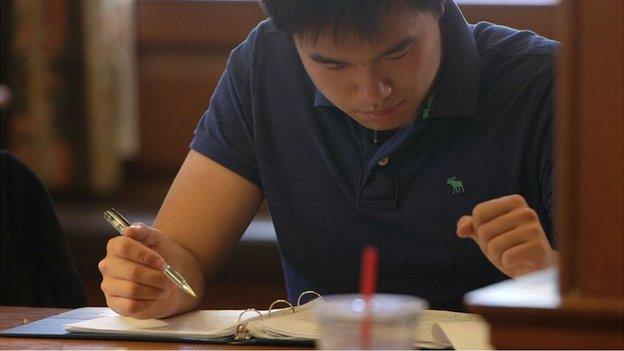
(384, 122)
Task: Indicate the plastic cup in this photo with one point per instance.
(392, 321)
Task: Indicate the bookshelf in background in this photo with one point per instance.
(72, 76)
(45, 123)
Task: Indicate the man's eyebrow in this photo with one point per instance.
(325, 60)
(402, 45)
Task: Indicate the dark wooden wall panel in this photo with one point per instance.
(182, 50)
(599, 112)
(195, 24)
(175, 91)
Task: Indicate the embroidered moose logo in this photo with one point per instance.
(456, 184)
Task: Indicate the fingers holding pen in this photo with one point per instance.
(132, 279)
(133, 290)
(144, 234)
(115, 267)
(136, 279)
(130, 261)
(130, 249)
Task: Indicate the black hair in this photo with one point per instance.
(342, 18)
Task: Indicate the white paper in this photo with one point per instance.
(208, 324)
(436, 329)
(469, 335)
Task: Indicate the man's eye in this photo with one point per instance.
(399, 54)
(335, 66)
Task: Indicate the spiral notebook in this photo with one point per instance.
(294, 324)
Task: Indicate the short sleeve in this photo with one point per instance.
(225, 132)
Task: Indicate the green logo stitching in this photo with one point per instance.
(456, 184)
(427, 109)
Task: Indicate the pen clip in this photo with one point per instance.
(116, 220)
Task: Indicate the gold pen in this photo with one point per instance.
(120, 224)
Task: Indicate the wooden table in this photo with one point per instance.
(15, 316)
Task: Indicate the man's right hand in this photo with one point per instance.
(132, 278)
(204, 215)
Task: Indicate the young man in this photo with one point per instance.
(392, 123)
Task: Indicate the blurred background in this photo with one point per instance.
(100, 98)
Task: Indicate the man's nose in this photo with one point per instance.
(372, 88)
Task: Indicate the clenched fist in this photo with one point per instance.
(510, 235)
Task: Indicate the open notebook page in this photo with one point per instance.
(198, 324)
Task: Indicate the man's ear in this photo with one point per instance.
(442, 8)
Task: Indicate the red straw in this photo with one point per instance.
(368, 282)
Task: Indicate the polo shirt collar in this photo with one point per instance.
(457, 85)
(321, 101)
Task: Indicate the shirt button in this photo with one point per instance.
(384, 161)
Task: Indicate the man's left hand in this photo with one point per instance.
(510, 235)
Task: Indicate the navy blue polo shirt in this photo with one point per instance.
(486, 132)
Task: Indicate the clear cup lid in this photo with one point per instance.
(379, 306)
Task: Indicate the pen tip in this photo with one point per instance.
(190, 291)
